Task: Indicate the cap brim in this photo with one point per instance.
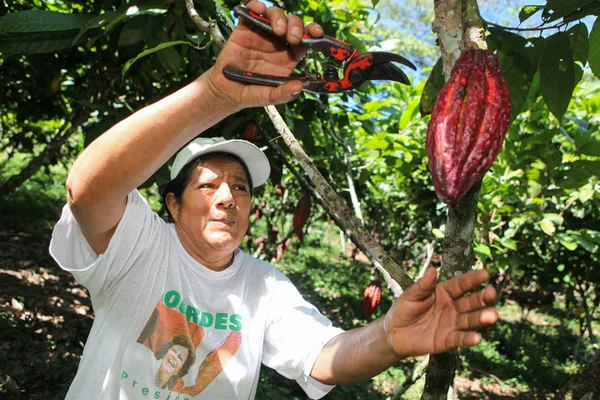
(256, 161)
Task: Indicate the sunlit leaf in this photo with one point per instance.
(527, 11)
(594, 53)
(548, 227)
(557, 76)
(482, 251)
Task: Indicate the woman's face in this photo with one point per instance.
(174, 359)
(212, 217)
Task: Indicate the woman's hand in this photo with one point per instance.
(431, 318)
(252, 49)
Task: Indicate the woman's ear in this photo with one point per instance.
(173, 206)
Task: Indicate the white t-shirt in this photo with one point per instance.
(148, 292)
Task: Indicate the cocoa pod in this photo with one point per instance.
(279, 252)
(301, 214)
(469, 120)
(281, 190)
(372, 298)
(250, 131)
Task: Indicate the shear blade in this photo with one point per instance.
(388, 71)
(381, 57)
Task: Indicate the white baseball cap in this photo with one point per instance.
(256, 161)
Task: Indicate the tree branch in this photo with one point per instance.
(337, 206)
(206, 26)
(392, 284)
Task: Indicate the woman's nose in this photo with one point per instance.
(224, 197)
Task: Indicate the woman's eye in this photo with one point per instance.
(206, 186)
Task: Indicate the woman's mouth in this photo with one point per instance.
(225, 221)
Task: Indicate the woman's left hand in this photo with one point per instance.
(431, 318)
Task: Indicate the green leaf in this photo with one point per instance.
(578, 36)
(527, 11)
(409, 114)
(592, 8)
(131, 33)
(589, 165)
(432, 87)
(509, 244)
(97, 22)
(557, 75)
(482, 251)
(547, 226)
(514, 67)
(378, 142)
(587, 144)
(41, 21)
(594, 52)
(534, 188)
(555, 218)
(567, 240)
(586, 242)
(37, 43)
(574, 178)
(438, 233)
(556, 9)
(144, 53)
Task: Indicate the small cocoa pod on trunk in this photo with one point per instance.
(469, 120)
(372, 298)
(301, 214)
(250, 131)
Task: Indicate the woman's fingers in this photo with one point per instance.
(475, 301)
(314, 30)
(289, 25)
(463, 284)
(476, 319)
(461, 339)
(257, 7)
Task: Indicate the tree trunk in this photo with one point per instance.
(459, 27)
(50, 152)
(457, 258)
(585, 384)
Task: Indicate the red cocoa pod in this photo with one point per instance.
(469, 120)
(372, 298)
(281, 190)
(301, 214)
(250, 131)
(279, 252)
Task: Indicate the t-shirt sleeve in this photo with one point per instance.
(295, 334)
(72, 252)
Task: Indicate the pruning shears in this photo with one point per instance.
(357, 68)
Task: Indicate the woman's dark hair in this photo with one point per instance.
(183, 341)
(177, 185)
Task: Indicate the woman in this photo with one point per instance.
(129, 258)
(176, 357)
